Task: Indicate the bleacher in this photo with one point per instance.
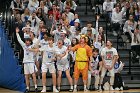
(130, 73)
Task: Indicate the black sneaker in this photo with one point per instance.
(26, 91)
(71, 90)
(36, 90)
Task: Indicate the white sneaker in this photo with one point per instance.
(100, 88)
(121, 88)
(55, 90)
(75, 90)
(85, 89)
(44, 90)
(117, 88)
(111, 88)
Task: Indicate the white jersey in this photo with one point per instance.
(57, 35)
(43, 43)
(108, 55)
(58, 51)
(48, 53)
(67, 42)
(28, 55)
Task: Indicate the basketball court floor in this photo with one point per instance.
(2, 90)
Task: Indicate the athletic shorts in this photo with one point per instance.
(50, 66)
(30, 68)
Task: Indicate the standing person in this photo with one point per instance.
(108, 54)
(95, 68)
(28, 60)
(62, 63)
(82, 59)
(118, 83)
(48, 63)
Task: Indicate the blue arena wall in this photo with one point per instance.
(10, 72)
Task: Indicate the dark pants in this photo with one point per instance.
(116, 26)
(118, 81)
(136, 50)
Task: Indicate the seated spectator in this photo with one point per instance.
(48, 4)
(44, 8)
(40, 14)
(59, 5)
(117, 16)
(25, 15)
(33, 5)
(75, 17)
(69, 14)
(130, 25)
(71, 4)
(135, 42)
(55, 12)
(108, 6)
(16, 4)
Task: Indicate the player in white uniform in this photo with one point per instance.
(109, 55)
(48, 63)
(95, 68)
(62, 63)
(28, 60)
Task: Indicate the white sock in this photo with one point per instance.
(58, 88)
(71, 87)
(44, 87)
(85, 86)
(35, 86)
(27, 87)
(75, 86)
(54, 87)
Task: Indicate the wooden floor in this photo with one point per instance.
(2, 90)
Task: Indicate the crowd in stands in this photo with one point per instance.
(51, 35)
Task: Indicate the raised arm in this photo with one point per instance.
(18, 38)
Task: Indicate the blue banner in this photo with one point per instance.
(10, 72)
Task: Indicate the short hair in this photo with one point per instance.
(51, 38)
(96, 50)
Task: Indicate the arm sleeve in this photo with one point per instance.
(19, 40)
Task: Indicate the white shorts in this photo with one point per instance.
(30, 68)
(45, 67)
(63, 67)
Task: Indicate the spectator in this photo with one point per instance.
(95, 68)
(33, 5)
(44, 8)
(130, 24)
(117, 18)
(88, 27)
(109, 57)
(28, 60)
(135, 42)
(59, 5)
(48, 4)
(71, 4)
(108, 6)
(40, 14)
(34, 22)
(25, 15)
(83, 57)
(62, 63)
(69, 14)
(118, 83)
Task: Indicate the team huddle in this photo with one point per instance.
(88, 61)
